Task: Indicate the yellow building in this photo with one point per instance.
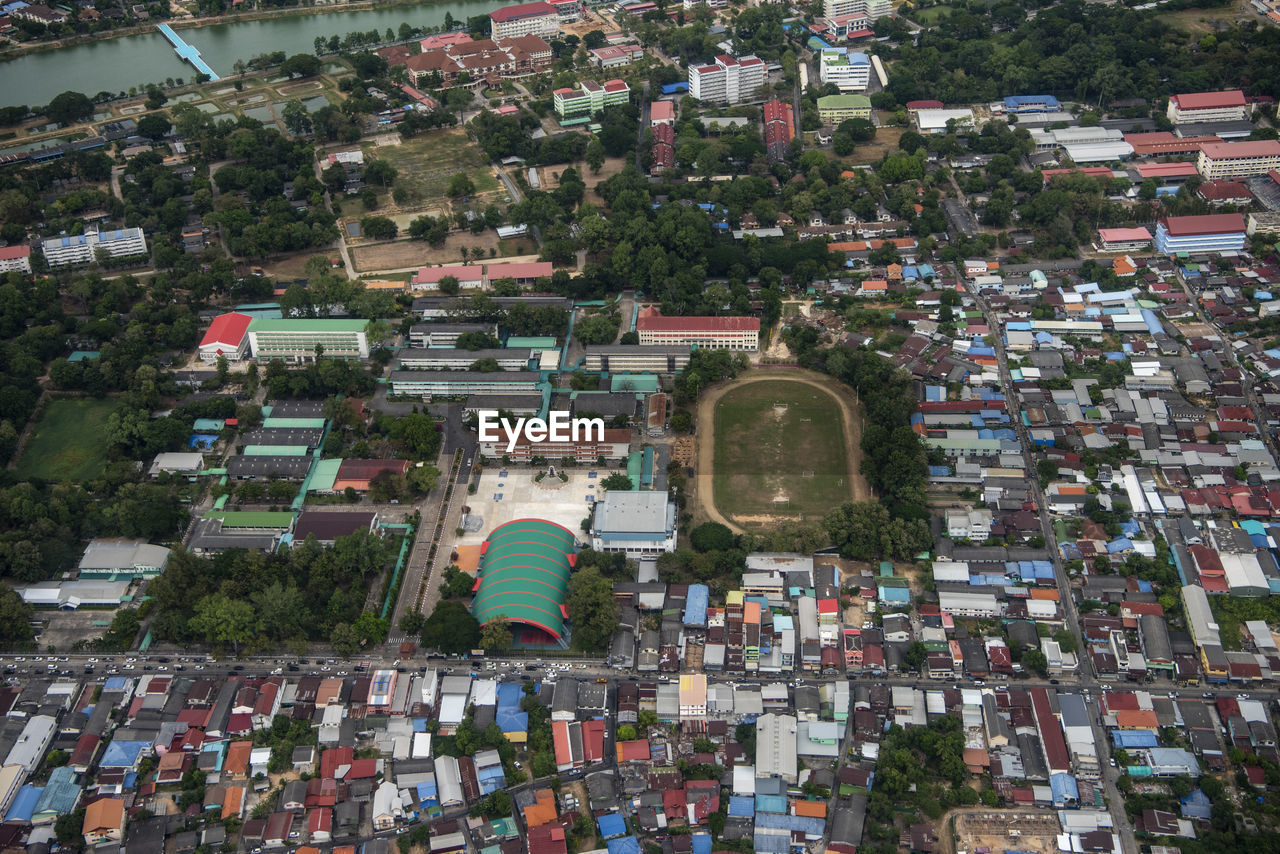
(834, 109)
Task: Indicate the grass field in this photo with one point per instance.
(779, 452)
(1217, 19)
(426, 163)
(67, 443)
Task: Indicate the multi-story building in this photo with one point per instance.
(588, 448)
(83, 248)
(834, 109)
(527, 19)
(1202, 107)
(779, 129)
(623, 358)
(570, 11)
(305, 339)
(637, 523)
(613, 56)
(1212, 233)
(1218, 160)
(590, 98)
(848, 70)
(845, 8)
(443, 64)
(729, 80)
(449, 359)
(426, 384)
(15, 259)
(718, 333)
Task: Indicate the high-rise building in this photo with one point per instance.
(727, 81)
(843, 8)
(850, 71)
(527, 19)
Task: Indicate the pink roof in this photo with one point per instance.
(1166, 170)
(751, 61)
(531, 270)
(658, 323)
(228, 329)
(443, 40)
(1123, 235)
(1209, 100)
(614, 85)
(1252, 148)
(1179, 226)
(661, 111)
(9, 253)
(433, 275)
(523, 10)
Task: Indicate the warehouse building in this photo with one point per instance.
(637, 523)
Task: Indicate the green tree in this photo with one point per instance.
(154, 126)
(422, 478)
(296, 118)
(461, 185)
(301, 65)
(617, 481)
(345, 640)
(451, 629)
(69, 107)
(495, 636)
(594, 155)
(221, 620)
(711, 536)
(593, 609)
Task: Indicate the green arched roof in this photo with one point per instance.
(524, 575)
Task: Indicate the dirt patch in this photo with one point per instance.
(293, 266)
(1216, 20)
(612, 166)
(885, 142)
(403, 254)
(999, 830)
(850, 417)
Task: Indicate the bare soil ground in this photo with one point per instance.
(852, 423)
(999, 830)
(1202, 21)
(612, 166)
(871, 152)
(415, 253)
(292, 266)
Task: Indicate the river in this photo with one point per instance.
(113, 65)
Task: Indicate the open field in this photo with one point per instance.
(782, 446)
(67, 443)
(1201, 21)
(885, 142)
(401, 254)
(427, 163)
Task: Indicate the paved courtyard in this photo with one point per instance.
(510, 493)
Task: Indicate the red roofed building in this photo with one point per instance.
(1179, 171)
(547, 839)
(663, 152)
(1198, 107)
(1220, 160)
(1225, 193)
(1210, 233)
(228, 336)
(526, 19)
(924, 105)
(717, 333)
(779, 129)
(1160, 143)
(15, 259)
(662, 113)
(1122, 239)
(428, 278)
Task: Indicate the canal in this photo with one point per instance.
(113, 65)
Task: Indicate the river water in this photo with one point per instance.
(113, 65)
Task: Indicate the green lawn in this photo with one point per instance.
(67, 443)
(426, 163)
(779, 451)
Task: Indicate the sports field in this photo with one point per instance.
(780, 452)
(67, 443)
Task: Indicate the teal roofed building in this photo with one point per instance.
(524, 575)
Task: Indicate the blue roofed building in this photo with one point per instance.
(1031, 104)
(1065, 791)
(742, 806)
(623, 845)
(695, 605)
(23, 805)
(612, 826)
(60, 796)
(124, 754)
(513, 720)
(701, 843)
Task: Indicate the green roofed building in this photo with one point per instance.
(297, 339)
(834, 109)
(524, 575)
